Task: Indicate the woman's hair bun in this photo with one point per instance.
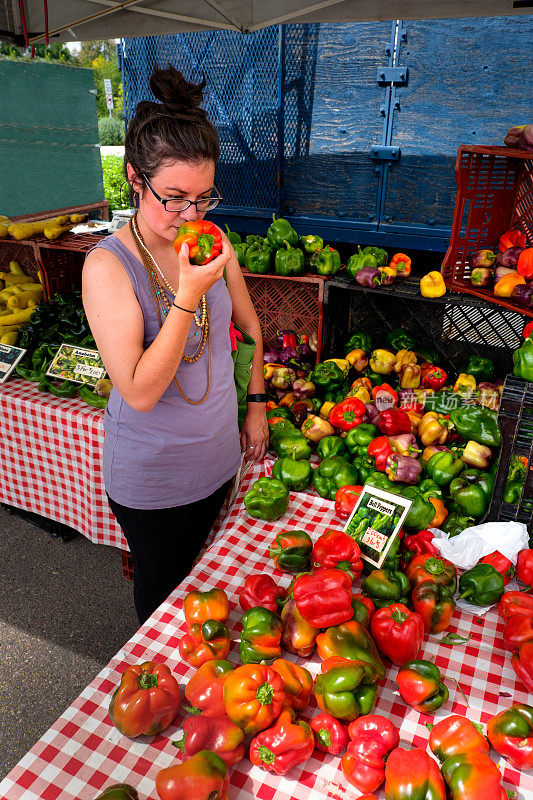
(174, 92)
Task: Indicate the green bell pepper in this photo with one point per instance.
(365, 467)
(331, 446)
(472, 492)
(455, 523)
(289, 262)
(513, 492)
(335, 396)
(310, 244)
(332, 473)
(386, 586)
(481, 368)
(252, 238)
(442, 402)
(268, 499)
(292, 444)
(477, 423)
(421, 512)
(233, 237)
(376, 379)
(295, 475)
(119, 791)
(428, 488)
(359, 341)
(359, 260)
(241, 248)
(443, 467)
(380, 481)
(381, 256)
(347, 691)
(482, 585)
(361, 436)
(392, 561)
(523, 361)
(260, 635)
(327, 376)
(326, 261)
(428, 355)
(291, 551)
(399, 339)
(281, 232)
(279, 411)
(258, 259)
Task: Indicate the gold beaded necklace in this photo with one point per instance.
(162, 305)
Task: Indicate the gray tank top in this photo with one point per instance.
(176, 453)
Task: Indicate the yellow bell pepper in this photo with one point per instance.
(506, 284)
(404, 357)
(432, 285)
(361, 393)
(358, 360)
(410, 376)
(342, 363)
(325, 409)
(465, 384)
(382, 361)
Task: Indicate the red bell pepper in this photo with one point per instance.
(380, 449)
(345, 499)
(417, 543)
(297, 683)
(204, 689)
(261, 590)
(501, 564)
(330, 734)
(367, 602)
(511, 734)
(401, 263)
(253, 696)
(512, 238)
(372, 738)
(347, 414)
(515, 603)
(397, 632)
(146, 700)
(206, 642)
(199, 606)
(283, 746)
(435, 604)
(522, 663)
(324, 597)
(524, 567)
(336, 550)
(474, 776)
(384, 396)
(517, 630)
(528, 330)
(413, 775)
(524, 265)
(298, 636)
(218, 734)
(434, 378)
(456, 735)
(426, 567)
(421, 686)
(393, 421)
(203, 239)
(199, 777)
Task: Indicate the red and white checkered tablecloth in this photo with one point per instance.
(82, 753)
(51, 449)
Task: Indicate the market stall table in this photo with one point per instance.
(82, 752)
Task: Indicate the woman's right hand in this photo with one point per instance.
(195, 281)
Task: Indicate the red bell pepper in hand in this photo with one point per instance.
(524, 567)
(206, 642)
(218, 734)
(515, 603)
(517, 630)
(261, 590)
(413, 775)
(397, 632)
(456, 735)
(393, 421)
(380, 449)
(297, 683)
(522, 663)
(283, 746)
(330, 734)
(253, 696)
(324, 597)
(336, 550)
(511, 734)
(298, 636)
(434, 378)
(372, 738)
(501, 564)
(202, 776)
(204, 690)
(512, 238)
(199, 606)
(146, 700)
(203, 239)
(345, 499)
(347, 414)
(474, 776)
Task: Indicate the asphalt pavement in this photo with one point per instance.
(65, 610)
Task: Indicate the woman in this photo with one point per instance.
(161, 326)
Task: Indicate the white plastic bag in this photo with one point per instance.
(466, 549)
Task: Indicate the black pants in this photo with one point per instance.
(164, 543)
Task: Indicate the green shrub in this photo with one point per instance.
(115, 185)
(111, 131)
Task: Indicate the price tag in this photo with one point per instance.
(9, 358)
(77, 364)
(375, 523)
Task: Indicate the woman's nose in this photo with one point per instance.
(190, 214)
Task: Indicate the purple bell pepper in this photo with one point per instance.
(368, 276)
(404, 469)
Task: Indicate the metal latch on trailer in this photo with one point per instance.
(383, 153)
(395, 75)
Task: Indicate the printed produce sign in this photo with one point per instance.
(375, 523)
(77, 364)
(9, 358)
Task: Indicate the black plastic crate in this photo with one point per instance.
(515, 419)
(455, 325)
(56, 529)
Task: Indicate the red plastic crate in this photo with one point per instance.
(25, 252)
(494, 194)
(62, 261)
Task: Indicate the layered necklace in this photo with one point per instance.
(163, 306)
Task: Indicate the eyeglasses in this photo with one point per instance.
(181, 204)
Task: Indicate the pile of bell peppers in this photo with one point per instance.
(506, 270)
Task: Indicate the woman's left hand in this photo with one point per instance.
(254, 434)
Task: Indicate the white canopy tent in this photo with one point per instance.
(35, 21)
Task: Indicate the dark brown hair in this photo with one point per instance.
(173, 129)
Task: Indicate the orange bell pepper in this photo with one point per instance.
(199, 606)
(441, 512)
(253, 696)
(146, 701)
(402, 264)
(525, 264)
(209, 641)
(506, 284)
(297, 683)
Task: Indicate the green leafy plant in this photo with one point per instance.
(111, 131)
(115, 186)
